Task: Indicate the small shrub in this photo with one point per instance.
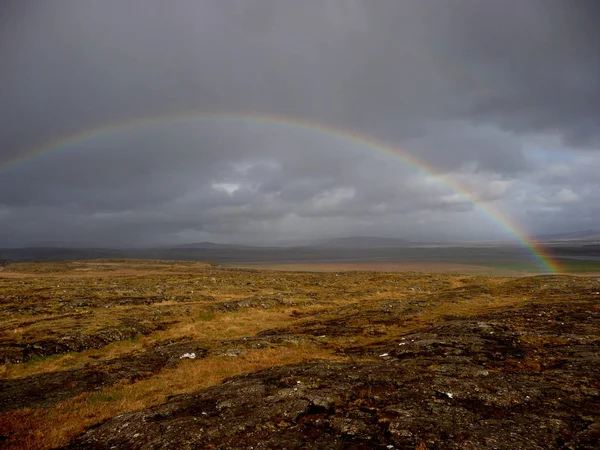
(37, 359)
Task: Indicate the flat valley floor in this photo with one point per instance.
(166, 354)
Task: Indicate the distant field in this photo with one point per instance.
(482, 260)
(509, 269)
(391, 266)
(581, 267)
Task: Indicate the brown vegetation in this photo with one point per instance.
(83, 342)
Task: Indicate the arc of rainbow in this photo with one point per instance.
(543, 259)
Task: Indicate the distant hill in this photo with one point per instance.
(209, 246)
(352, 242)
(587, 235)
(361, 242)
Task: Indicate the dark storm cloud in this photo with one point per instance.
(464, 85)
(187, 191)
(378, 66)
(536, 63)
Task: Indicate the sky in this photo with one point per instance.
(500, 99)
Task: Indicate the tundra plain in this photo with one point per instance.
(171, 354)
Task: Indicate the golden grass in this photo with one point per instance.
(37, 429)
(223, 326)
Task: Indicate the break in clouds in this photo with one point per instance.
(500, 98)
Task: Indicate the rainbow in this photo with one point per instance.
(543, 259)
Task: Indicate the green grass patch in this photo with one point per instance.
(206, 315)
(101, 397)
(35, 360)
(577, 266)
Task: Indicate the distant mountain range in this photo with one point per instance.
(351, 242)
(372, 242)
(586, 243)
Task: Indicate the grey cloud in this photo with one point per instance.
(463, 85)
(381, 67)
(536, 65)
(186, 192)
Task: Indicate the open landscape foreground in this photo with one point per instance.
(164, 354)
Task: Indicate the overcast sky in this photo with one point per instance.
(501, 97)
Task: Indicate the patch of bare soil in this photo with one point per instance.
(527, 378)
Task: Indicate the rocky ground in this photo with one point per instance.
(528, 378)
(338, 360)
